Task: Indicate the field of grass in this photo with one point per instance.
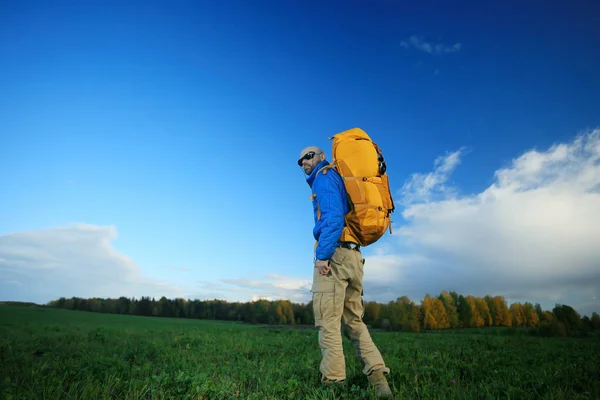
(59, 354)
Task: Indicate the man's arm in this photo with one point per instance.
(332, 216)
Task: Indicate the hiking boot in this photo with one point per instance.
(382, 389)
(333, 383)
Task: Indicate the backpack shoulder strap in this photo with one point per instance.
(325, 169)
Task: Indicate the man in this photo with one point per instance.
(337, 280)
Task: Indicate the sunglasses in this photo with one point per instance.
(308, 156)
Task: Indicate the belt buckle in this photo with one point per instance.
(350, 245)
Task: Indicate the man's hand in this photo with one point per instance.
(323, 267)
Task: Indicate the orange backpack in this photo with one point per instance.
(360, 163)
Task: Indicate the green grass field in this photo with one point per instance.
(59, 354)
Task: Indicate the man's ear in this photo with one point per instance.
(323, 156)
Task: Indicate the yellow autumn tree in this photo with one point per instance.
(288, 311)
(547, 316)
(518, 316)
(503, 317)
(476, 318)
(451, 308)
(484, 311)
(429, 321)
(489, 300)
(281, 318)
(439, 314)
(531, 316)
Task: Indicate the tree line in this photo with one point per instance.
(449, 310)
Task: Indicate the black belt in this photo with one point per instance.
(349, 245)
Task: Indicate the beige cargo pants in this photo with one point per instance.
(337, 298)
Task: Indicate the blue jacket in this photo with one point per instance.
(332, 200)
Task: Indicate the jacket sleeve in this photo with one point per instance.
(332, 216)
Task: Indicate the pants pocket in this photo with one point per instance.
(339, 256)
(323, 290)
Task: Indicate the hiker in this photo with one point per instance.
(338, 278)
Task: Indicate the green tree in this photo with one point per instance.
(570, 318)
(465, 312)
(372, 312)
(595, 321)
(531, 316)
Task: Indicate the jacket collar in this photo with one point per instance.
(313, 174)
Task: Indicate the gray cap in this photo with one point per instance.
(310, 148)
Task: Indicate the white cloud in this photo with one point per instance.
(79, 260)
(287, 283)
(432, 48)
(425, 186)
(531, 236)
(271, 286)
(75, 260)
(256, 298)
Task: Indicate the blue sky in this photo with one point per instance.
(155, 143)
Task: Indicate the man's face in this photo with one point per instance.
(309, 159)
